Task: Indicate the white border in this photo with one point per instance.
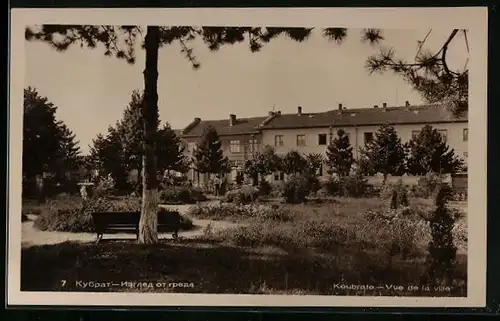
(474, 19)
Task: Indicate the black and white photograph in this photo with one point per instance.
(237, 157)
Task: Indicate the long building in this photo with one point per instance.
(311, 132)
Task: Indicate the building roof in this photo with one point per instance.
(366, 117)
(423, 114)
(240, 127)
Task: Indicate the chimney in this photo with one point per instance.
(407, 103)
(340, 106)
(193, 124)
(232, 120)
(269, 118)
(299, 110)
(384, 105)
(375, 106)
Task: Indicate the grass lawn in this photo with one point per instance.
(318, 248)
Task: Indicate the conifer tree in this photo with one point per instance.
(339, 155)
(208, 156)
(428, 152)
(385, 153)
(170, 151)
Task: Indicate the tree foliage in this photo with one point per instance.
(131, 131)
(263, 163)
(314, 163)
(48, 144)
(339, 154)
(108, 157)
(208, 156)
(428, 152)
(168, 147)
(429, 73)
(121, 150)
(68, 156)
(170, 151)
(120, 41)
(442, 250)
(293, 163)
(385, 153)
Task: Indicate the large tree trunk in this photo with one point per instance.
(148, 233)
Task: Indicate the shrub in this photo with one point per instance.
(257, 213)
(460, 235)
(240, 178)
(65, 219)
(296, 189)
(314, 183)
(442, 250)
(104, 186)
(396, 193)
(333, 186)
(354, 185)
(265, 188)
(397, 232)
(276, 190)
(76, 216)
(221, 212)
(399, 237)
(402, 238)
(427, 185)
(181, 195)
(243, 195)
(275, 213)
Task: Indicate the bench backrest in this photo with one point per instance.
(132, 218)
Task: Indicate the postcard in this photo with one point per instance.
(299, 157)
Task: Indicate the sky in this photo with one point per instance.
(91, 90)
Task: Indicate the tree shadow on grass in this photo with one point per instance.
(214, 268)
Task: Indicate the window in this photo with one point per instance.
(368, 137)
(278, 140)
(252, 145)
(301, 140)
(466, 134)
(234, 146)
(414, 134)
(322, 139)
(444, 134)
(279, 176)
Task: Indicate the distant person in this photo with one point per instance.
(83, 192)
(217, 186)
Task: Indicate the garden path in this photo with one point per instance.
(33, 236)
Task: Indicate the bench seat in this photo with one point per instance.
(119, 222)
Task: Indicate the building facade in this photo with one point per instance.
(241, 138)
(312, 132)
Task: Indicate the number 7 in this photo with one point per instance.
(63, 282)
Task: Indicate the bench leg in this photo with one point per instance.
(175, 234)
(99, 238)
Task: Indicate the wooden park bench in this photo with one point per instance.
(109, 222)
